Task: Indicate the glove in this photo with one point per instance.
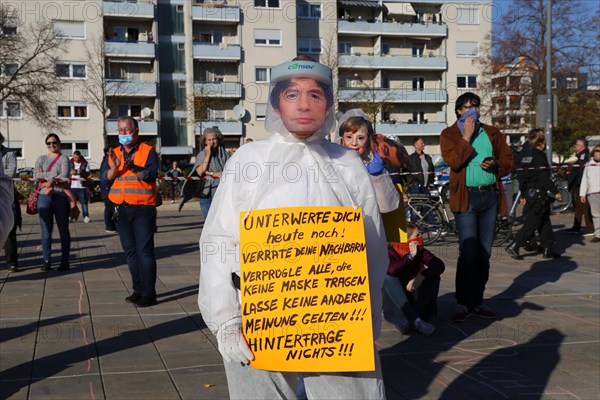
(375, 167)
(232, 344)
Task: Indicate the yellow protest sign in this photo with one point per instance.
(305, 289)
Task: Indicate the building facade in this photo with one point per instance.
(179, 66)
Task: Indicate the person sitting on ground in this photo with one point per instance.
(411, 287)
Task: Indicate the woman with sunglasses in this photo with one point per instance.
(54, 201)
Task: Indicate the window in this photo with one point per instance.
(211, 37)
(263, 74)
(260, 112)
(417, 50)
(69, 29)
(181, 46)
(179, 8)
(418, 83)
(312, 11)
(71, 71)
(345, 47)
(8, 69)
(10, 109)
(267, 37)
(309, 46)
(572, 83)
(183, 121)
(467, 49)
(266, 3)
(9, 26)
(467, 16)
(553, 83)
(418, 117)
(67, 148)
(385, 48)
(466, 81)
(125, 71)
(72, 111)
(131, 110)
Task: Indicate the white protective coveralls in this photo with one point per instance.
(285, 172)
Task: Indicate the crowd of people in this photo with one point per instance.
(404, 278)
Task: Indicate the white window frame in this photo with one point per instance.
(347, 47)
(572, 82)
(309, 11)
(72, 110)
(260, 116)
(467, 76)
(129, 107)
(467, 55)
(268, 73)
(71, 65)
(59, 33)
(469, 12)
(269, 42)
(85, 152)
(311, 46)
(4, 110)
(16, 145)
(267, 4)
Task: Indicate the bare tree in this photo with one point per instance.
(519, 45)
(32, 51)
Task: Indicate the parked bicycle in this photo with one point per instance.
(428, 212)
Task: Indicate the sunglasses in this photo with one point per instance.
(51, 143)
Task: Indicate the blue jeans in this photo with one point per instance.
(476, 228)
(136, 226)
(55, 206)
(81, 195)
(109, 209)
(398, 304)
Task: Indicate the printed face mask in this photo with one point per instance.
(125, 139)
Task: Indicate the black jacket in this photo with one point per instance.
(540, 177)
(577, 172)
(415, 166)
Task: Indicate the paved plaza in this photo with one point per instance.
(71, 335)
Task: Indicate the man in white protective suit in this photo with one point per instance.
(295, 167)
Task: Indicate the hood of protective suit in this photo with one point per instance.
(299, 70)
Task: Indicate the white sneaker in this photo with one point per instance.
(588, 234)
(86, 220)
(172, 201)
(423, 327)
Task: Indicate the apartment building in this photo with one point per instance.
(179, 66)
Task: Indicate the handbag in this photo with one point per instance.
(32, 201)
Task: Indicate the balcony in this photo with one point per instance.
(143, 49)
(216, 13)
(429, 129)
(227, 128)
(129, 9)
(357, 95)
(217, 52)
(130, 88)
(370, 61)
(363, 28)
(147, 127)
(218, 89)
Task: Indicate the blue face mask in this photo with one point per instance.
(472, 112)
(125, 139)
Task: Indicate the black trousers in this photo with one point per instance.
(537, 217)
(11, 249)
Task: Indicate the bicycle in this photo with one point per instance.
(566, 200)
(428, 212)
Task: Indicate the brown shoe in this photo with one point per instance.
(595, 240)
(461, 314)
(484, 312)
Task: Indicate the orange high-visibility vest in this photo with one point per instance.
(129, 188)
